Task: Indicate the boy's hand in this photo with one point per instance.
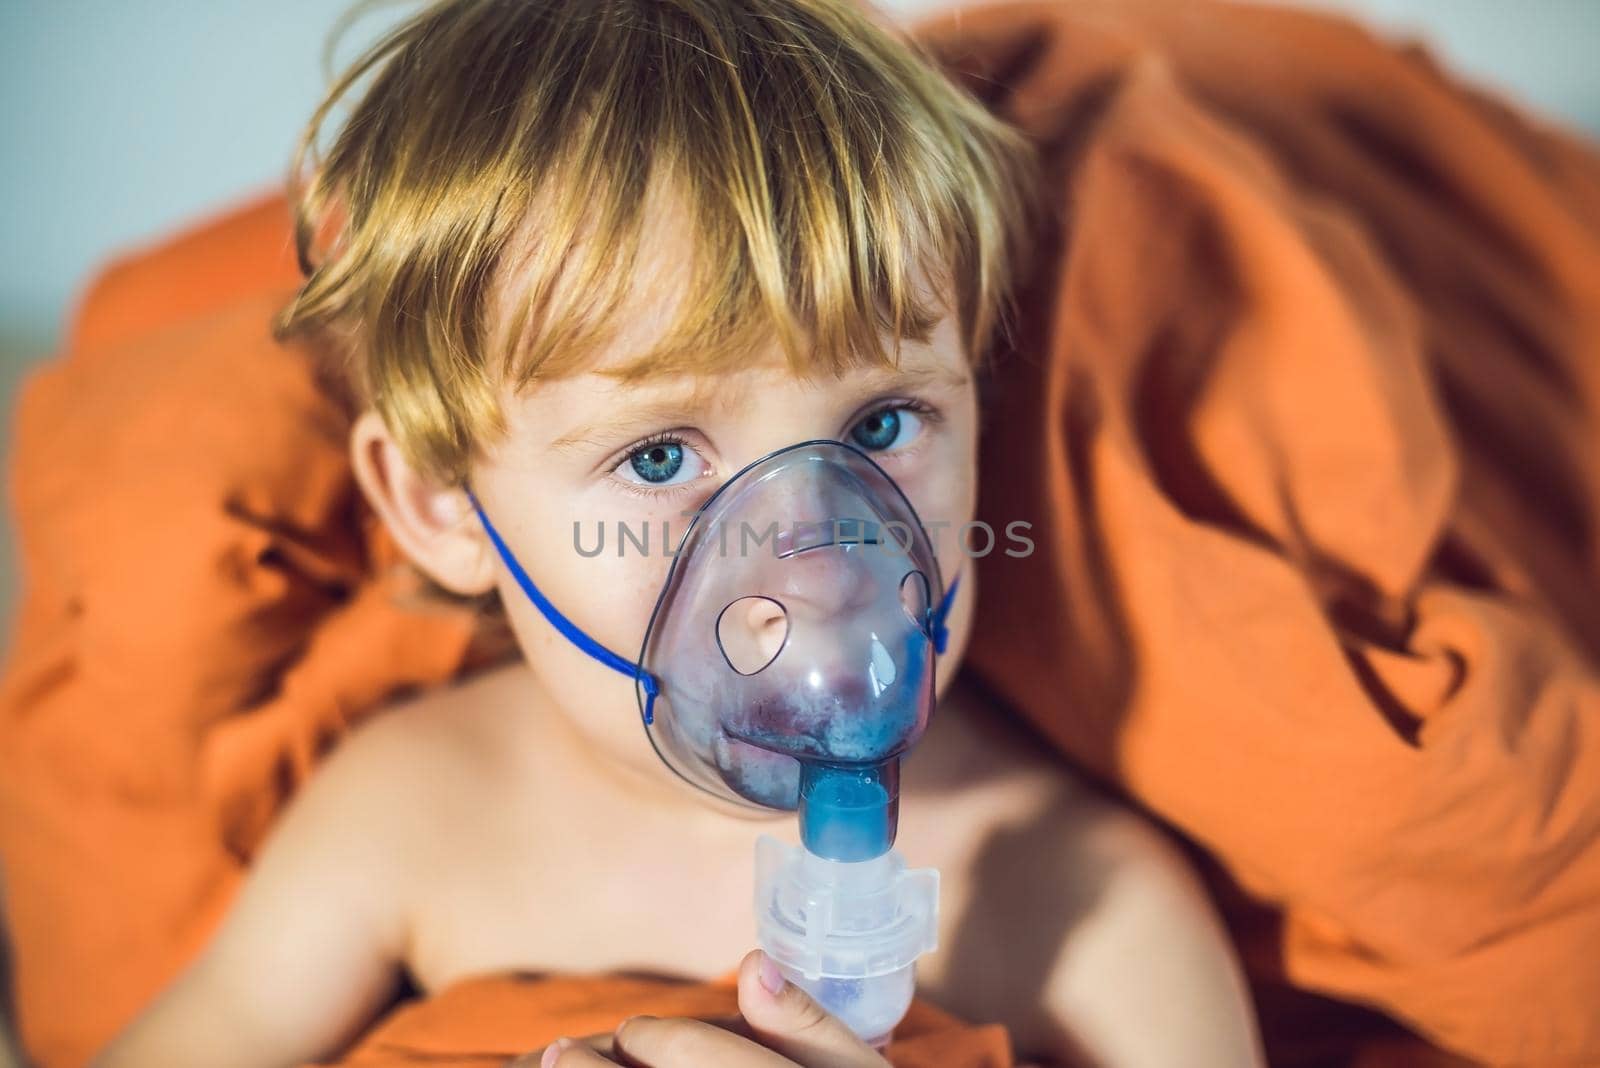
(780, 1026)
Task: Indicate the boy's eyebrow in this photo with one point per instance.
(645, 415)
(890, 376)
(686, 408)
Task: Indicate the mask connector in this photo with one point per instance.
(849, 813)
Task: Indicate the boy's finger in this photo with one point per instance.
(787, 1019)
(647, 1042)
(734, 1023)
(599, 1045)
(571, 1053)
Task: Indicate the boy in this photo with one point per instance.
(591, 257)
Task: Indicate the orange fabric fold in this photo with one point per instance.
(1304, 410)
(206, 610)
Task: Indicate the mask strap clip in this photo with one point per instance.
(941, 633)
(568, 629)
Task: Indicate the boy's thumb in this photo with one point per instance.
(786, 1019)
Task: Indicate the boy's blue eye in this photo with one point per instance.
(886, 428)
(658, 463)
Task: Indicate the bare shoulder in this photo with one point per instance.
(1069, 906)
(408, 777)
(410, 769)
(281, 983)
(414, 743)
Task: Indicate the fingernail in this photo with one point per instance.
(553, 1051)
(771, 975)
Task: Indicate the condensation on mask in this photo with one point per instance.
(793, 644)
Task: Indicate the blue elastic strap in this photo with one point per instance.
(567, 627)
(941, 633)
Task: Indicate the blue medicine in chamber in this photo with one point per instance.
(847, 813)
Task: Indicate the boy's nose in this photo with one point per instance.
(823, 586)
(828, 582)
(804, 495)
(751, 632)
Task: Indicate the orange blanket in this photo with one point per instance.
(480, 1023)
(1306, 415)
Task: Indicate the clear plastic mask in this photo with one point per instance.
(789, 660)
(796, 627)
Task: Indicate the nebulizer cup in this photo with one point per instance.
(789, 664)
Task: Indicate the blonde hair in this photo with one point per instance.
(834, 182)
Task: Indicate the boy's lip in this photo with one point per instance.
(789, 729)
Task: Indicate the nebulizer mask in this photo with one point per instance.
(789, 664)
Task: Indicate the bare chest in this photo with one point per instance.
(607, 903)
(551, 886)
(584, 904)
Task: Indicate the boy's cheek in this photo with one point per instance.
(596, 700)
(946, 507)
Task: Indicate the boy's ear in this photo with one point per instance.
(432, 523)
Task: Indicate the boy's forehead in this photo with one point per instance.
(592, 406)
(936, 361)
